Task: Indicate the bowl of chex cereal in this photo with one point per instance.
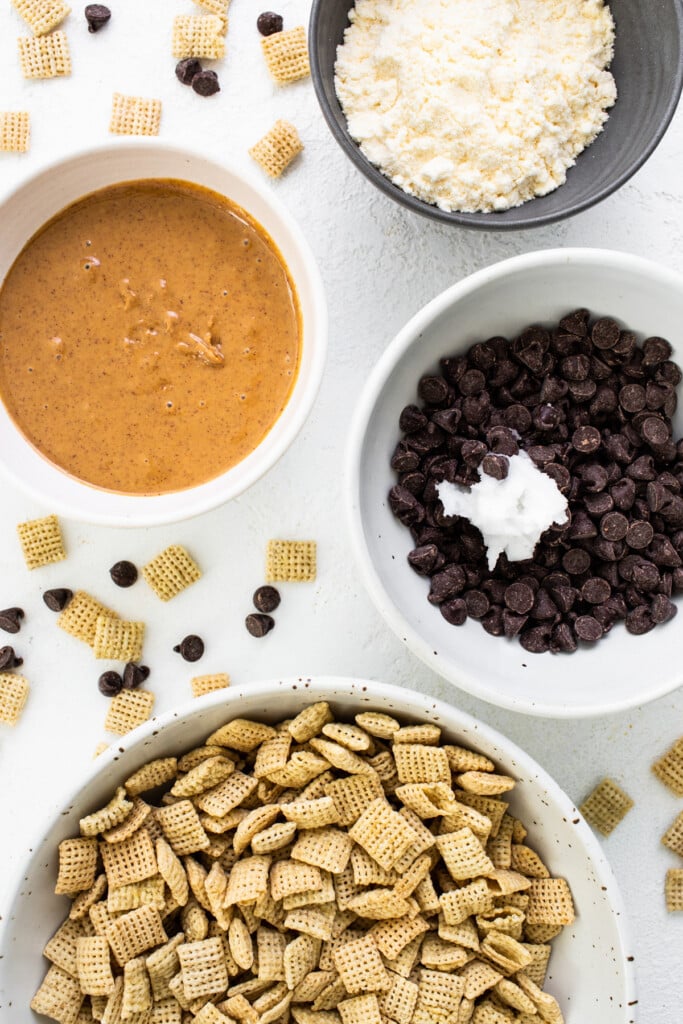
(317, 851)
(248, 313)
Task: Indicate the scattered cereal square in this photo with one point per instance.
(118, 639)
(79, 618)
(277, 149)
(673, 837)
(13, 694)
(42, 15)
(171, 572)
(127, 710)
(286, 55)
(15, 131)
(290, 561)
(674, 889)
(606, 806)
(45, 57)
(217, 7)
(59, 997)
(198, 35)
(202, 685)
(669, 768)
(133, 115)
(41, 542)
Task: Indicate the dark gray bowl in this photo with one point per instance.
(647, 67)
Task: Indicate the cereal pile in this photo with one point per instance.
(317, 871)
(592, 408)
(476, 105)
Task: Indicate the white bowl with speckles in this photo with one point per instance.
(25, 210)
(620, 671)
(591, 971)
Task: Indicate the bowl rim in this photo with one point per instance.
(141, 510)
(320, 688)
(480, 221)
(407, 336)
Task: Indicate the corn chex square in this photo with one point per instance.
(326, 848)
(135, 933)
(383, 833)
(118, 639)
(276, 150)
(45, 57)
(550, 902)
(79, 618)
(14, 692)
(248, 880)
(669, 768)
(286, 55)
(360, 1010)
(133, 860)
(361, 967)
(673, 889)
(182, 828)
(198, 35)
(41, 539)
(77, 865)
(59, 997)
(93, 963)
(61, 947)
(15, 131)
(290, 561)
(673, 837)
(418, 762)
(135, 115)
(203, 966)
(606, 806)
(463, 854)
(127, 710)
(202, 685)
(42, 15)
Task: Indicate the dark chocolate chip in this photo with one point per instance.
(596, 590)
(10, 619)
(269, 23)
(576, 323)
(586, 440)
(536, 640)
(639, 535)
(424, 559)
(110, 683)
(598, 504)
(639, 620)
(433, 390)
(496, 466)
(259, 624)
(632, 398)
(588, 628)
(8, 659)
(646, 576)
(477, 604)
(519, 598)
(662, 552)
(190, 647)
(576, 561)
(205, 83)
(605, 333)
(544, 607)
(58, 598)
(134, 675)
(614, 526)
(448, 583)
(186, 69)
(655, 431)
(124, 574)
(266, 599)
(97, 16)
(655, 351)
(662, 609)
(562, 639)
(454, 611)
(405, 506)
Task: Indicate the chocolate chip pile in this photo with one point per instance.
(592, 408)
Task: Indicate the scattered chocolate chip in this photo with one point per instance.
(205, 83)
(454, 611)
(259, 624)
(190, 648)
(134, 675)
(58, 598)
(266, 599)
(186, 69)
(8, 659)
(10, 619)
(268, 23)
(124, 574)
(110, 683)
(97, 16)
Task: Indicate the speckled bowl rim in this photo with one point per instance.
(525, 218)
(404, 702)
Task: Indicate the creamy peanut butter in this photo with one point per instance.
(149, 337)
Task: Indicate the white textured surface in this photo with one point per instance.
(380, 263)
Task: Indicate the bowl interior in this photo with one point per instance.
(30, 206)
(588, 972)
(648, 72)
(621, 670)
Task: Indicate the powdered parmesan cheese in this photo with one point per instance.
(476, 105)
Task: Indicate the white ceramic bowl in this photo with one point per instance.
(590, 973)
(40, 198)
(621, 670)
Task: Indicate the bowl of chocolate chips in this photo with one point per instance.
(515, 481)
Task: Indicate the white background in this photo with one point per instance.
(380, 264)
